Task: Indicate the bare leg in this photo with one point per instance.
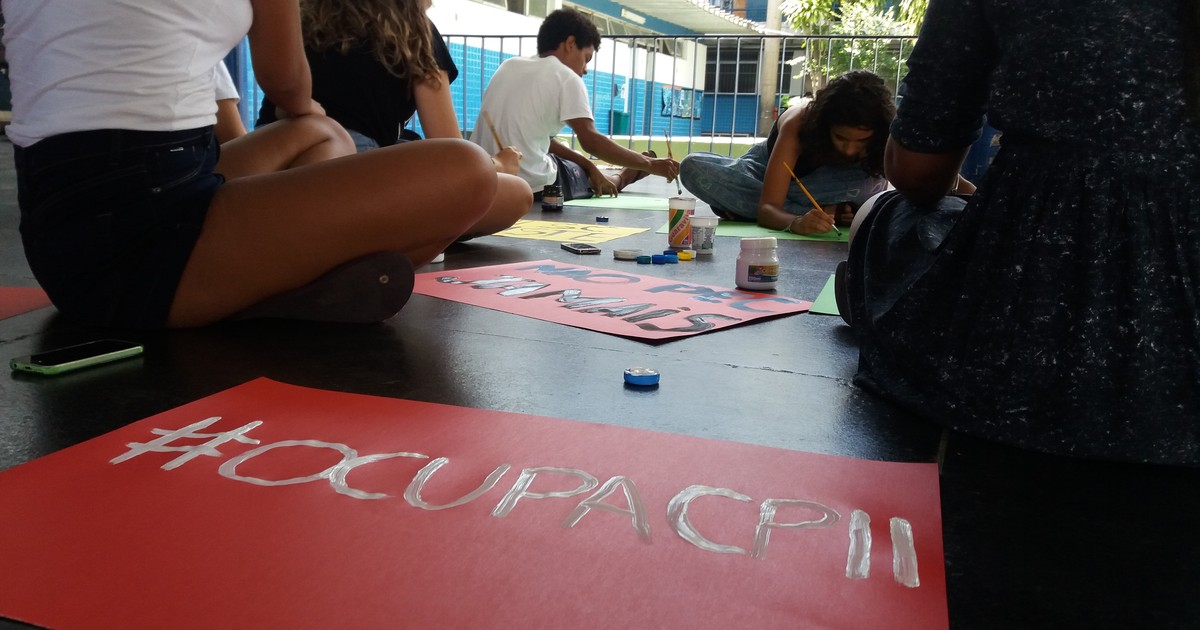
(284, 144)
(266, 234)
(513, 201)
(629, 175)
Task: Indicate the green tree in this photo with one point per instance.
(846, 23)
(818, 16)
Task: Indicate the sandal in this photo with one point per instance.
(363, 291)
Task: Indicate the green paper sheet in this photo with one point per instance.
(747, 230)
(826, 302)
(622, 202)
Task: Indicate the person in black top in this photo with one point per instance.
(376, 62)
(834, 146)
(363, 79)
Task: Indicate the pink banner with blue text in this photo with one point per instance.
(604, 300)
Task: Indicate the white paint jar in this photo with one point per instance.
(758, 264)
(704, 232)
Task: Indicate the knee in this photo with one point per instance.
(518, 191)
(325, 130)
(340, 138)
(513, 200)
(687, 169)
(695, 170)
(474, 173)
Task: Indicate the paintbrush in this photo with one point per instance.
(678, 188)
(487, 118)
(809, 195)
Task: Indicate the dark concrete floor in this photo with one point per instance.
(1031, 541)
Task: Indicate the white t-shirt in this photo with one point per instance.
(225, 89)
(77, 65)
(530, 99)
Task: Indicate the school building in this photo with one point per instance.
(685, 68)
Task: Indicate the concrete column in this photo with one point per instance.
(768, 73)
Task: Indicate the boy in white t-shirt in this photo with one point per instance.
(530, 99)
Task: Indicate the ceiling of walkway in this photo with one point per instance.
(694, 15)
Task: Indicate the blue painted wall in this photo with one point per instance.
(756, 10)
(473, 63)
(729, 112)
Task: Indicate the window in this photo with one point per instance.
(537, 8)
(534, 8)
(732, 65)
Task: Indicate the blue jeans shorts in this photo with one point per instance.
(362, 142)
(109, 218)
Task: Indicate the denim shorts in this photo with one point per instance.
(362, 142)
(109, 218)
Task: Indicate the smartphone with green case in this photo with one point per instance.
(76, 357)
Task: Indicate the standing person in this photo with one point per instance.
(1058, 308)
(530, 99)
(125, 220)
(376, 62)
(834, 145)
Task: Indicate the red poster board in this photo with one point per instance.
(605, 300)
(274, 506)
(18, 300)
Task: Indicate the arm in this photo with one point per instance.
(604, 148)
(229, 121)
(945, 96)
(924, 178)
(435, 108)
(600, 184)
(771, 211)
(277, 50)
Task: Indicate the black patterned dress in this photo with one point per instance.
(1059, 309)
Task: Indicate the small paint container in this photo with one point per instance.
(679, 222)
(704, 233)
(641, 377)
(758, 264)
(552, 200)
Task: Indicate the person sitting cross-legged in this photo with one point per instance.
(530, 99)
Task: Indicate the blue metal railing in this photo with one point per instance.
(637, 98)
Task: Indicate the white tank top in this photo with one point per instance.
(76, 65)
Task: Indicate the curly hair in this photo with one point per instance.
(397, 32)
(563, 23)
(858, 98)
